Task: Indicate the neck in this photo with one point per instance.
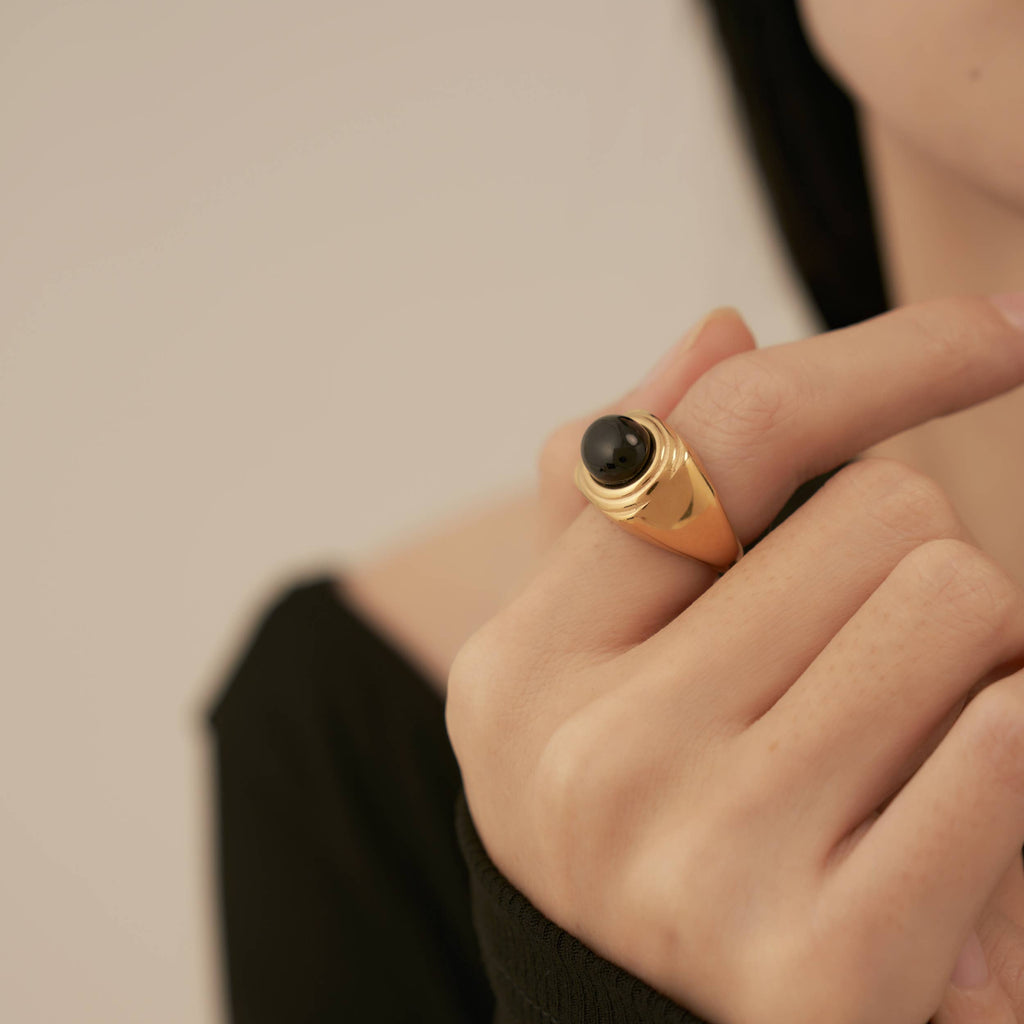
(941, 234)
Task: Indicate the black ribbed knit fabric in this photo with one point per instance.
(343, 893)
(540, 973)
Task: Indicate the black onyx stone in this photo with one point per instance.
(616, 450)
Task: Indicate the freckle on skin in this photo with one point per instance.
(974, 74)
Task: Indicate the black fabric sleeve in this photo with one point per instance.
(540, 973)
(343, 896)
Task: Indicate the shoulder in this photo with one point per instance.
(394, 619)
(428, 594)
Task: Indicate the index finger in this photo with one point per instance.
(820, 401)
(762, 423)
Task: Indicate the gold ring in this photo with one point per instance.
(641, 474)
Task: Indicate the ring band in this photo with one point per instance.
(641, 474)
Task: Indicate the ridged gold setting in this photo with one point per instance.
(671, 504)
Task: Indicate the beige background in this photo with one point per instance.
(246, 249)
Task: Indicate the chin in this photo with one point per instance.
(945, 75)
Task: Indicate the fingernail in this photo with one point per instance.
(1011, 305)
(971, 970)
(685, 344)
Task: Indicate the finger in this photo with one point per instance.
(1003, 941)
(791, 594)
(716, 336)
(887, 687)
(767, 420)
(975, 994)
(918, 880)
(824, 400)
(784, 603)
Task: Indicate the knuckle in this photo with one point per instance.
(472, 700)
(559, 774)
(588, 798)
(995, 721)
(741, 401)
(563, 814)
(949, 332)
(906, 500)
(1006, 955)
(1006, 958)
(572, 773)
(940, 332)
(461, 705)
(973, 591)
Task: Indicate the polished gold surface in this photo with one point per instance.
(671, 504)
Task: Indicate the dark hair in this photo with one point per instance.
(803, 130)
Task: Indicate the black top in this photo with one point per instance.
(344, 840)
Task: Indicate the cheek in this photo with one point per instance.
(946, 74)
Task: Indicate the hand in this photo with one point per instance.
(762, 796)
(714, 338)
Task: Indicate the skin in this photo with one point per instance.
(939, 87)
(938, 91)
(945, 160)
(428, 595)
